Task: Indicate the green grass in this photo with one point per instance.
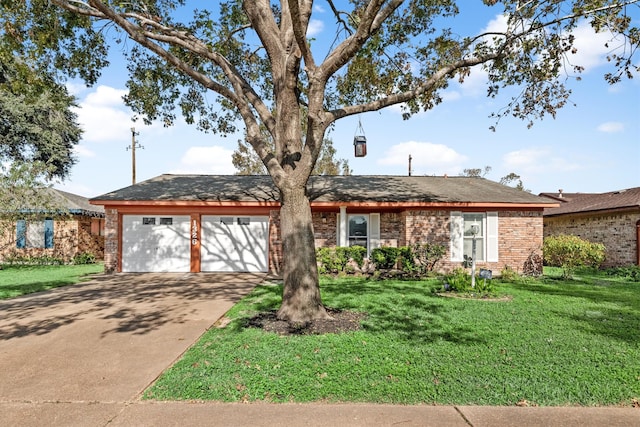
(553, 343)
(22, 280)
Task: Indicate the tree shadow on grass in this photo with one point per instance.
(408, 310)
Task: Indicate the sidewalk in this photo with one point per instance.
(82, 355)
(138, 413)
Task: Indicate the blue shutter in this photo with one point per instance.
(21, 234)
(48, 233)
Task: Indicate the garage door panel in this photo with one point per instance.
(231, 243)
(151, 246)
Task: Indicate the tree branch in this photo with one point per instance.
(300, 22)
(370, 22)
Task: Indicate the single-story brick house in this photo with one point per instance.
(612, 219)
(75, 227)
(205, 223)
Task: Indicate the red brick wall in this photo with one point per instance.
(616, 231)
(520, 235)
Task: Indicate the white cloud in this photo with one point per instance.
(206, 160)
(611, 127)
(591, 50)
(315, 27)
(537, 160)
(103, 116)
(83, 151)
(426, 158)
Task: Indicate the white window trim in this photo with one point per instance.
(373, 229)
(490, 236)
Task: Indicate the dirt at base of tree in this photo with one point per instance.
(341, 321)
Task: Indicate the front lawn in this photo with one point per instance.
(21, 280)
(553, 342)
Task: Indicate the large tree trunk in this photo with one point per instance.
(301, 300)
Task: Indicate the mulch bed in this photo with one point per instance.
(341, 321)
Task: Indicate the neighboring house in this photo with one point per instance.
(202, 223)
(612, 219)
(74, 227)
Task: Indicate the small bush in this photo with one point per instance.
(407, 260)
(533, 266)
(457, 281)
(84, 258)
(357, 254)
(385, 258)
(427, 255)
(330, 260)
(630, 272)
(508, 274)
(334, 260)
(570, 252)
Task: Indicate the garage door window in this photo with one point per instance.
(148, 220)
(166, 221)
(226, 220)
(244, 221)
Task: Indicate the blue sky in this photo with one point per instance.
(592, 147)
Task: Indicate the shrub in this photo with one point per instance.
(357, 254)
(385, 258)
(334, 260)
(427, 256)
(533, 266)
(570, 252)
(330, 260)
(84, 258)
(458, 281)
(407, 260)
(630, 272)
(508, 274)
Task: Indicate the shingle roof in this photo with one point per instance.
(76, 204)
(329, 189)
(614, 200)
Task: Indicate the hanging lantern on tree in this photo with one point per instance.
(360, 141)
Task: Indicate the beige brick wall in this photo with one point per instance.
(70, 237)
(616, 231)
(111, 240)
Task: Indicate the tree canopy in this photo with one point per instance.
(254, 64)
(37, 123)
(246, 161)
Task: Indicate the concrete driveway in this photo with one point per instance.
(106, 340)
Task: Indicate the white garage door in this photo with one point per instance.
(156, 243)
(234, 243)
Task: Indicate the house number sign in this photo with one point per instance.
(194, 232)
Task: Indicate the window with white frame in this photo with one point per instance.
(486, 237)
(359, 230)
(474, 221)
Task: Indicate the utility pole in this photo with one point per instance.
(409, 164)
(132, 147)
